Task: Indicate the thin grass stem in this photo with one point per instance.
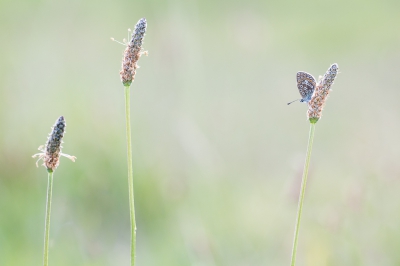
(302, 192)
(47, 219)
(130, 175)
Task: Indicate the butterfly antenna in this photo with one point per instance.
(294, 101)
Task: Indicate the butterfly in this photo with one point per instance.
(306, 84)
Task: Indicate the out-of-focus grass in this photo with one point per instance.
(217, 153)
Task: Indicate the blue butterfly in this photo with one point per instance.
(306, 84)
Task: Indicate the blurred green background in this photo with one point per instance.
(218, 155)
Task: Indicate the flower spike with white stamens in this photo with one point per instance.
(51, 153)
(132, 53)
(318, 99)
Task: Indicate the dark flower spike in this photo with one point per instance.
(318, 99)
(132, 53)
(50, 154)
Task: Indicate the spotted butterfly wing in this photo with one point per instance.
(306, 84)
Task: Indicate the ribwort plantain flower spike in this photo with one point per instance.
(51, 152)
(132, 53)
(318, 99)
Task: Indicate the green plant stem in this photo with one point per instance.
(302, 192)
(47, 220)
(130, 175)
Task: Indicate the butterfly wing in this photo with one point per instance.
(306, 84)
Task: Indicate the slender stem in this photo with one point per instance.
(302, 192)
(47, 219)
(130, 174)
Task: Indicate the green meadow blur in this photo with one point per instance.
(218, 155)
